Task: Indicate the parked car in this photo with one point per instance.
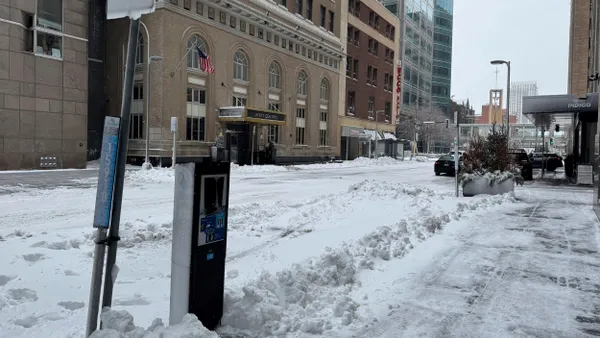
(550, 161)
(445, 165)
(522, 160)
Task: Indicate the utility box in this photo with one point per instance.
(199, 241)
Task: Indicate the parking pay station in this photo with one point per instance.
(199, 240)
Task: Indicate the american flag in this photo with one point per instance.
(205, 64)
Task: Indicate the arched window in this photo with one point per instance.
(193, 42)
(240, 66)
(302, 83)
(324, 95)
(275, 75)
(139, 51)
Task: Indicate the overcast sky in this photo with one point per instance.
(532, 34)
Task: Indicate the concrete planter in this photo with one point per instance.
(481, 186)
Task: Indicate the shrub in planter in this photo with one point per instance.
(487, 166)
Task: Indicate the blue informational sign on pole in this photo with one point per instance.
(106, 174)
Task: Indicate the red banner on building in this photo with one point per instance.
(398, 90)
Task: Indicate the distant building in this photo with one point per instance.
(493, 112)
(517, 91)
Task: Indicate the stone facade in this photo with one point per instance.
(43, 90)
(262, 31)
(579, 47)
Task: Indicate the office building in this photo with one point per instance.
(372, 92)
(442, 55)
(43, 84)
(275, 80)
(517, 91)
(416, 18)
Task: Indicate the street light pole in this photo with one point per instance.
(507, 63)
(147, 164)
(377, 132)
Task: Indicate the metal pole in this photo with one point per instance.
(147, 93)
(111, 257)
(252, 150)
(96, 287)
(376, 135)
(543, 150)
(508, 106)
(456, 164)
(174, 157)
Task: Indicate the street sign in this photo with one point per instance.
(174, 124)
(116, 9)
(106, 174)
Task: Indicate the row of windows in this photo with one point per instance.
(326, 18)
(354, 8)
(352, 69)
(45, 29)
(196, 117)
(354, 35)
(257, 32)
(442, 38)
(351, 102)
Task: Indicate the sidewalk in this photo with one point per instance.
(529, 270)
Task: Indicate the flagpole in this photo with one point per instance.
(184, 56)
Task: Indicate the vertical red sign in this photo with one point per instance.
(398, 90)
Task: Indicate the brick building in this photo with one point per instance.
(43, 83)
(276, 78)
(487, 117)
(372, 91)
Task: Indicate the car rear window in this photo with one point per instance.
(447, 158)
(519, 156)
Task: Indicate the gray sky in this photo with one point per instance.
(532, 34)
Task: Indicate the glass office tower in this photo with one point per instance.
(417, 17)
(442, 55)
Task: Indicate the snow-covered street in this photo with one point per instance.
(355, 249)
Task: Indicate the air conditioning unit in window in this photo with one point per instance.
(350, 111)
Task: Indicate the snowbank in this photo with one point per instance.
(119, 324)
(166, 175)
(314, 297)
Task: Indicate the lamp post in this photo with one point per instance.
(147, 164)
(507, 63)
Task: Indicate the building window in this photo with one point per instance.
(349, 66)
(240, 66)
(139, 51)
(374, 20)
(299, 6)
(302, 86)
(354, 7)
(193, 58)
(239, 101)
(323, 12)
(187, 4)
(211, 13)
(373, 47)
(136, 124)
(310, 53)
(351, 102)
(199, 8)
(388, 82)
(388, 111)
(47, 33)
(269, 36)
(371, 107)
(355, 69)
(223, 17)
(284, 3)
(232, 22)
(273, 131)
(309, 8)
(300, 125)
(331, 20)
(251, 30)
(260, 33)
(196, 114)
(324, 110)
(276, 40)
(372, 76)
(275, 75)
(242, 26)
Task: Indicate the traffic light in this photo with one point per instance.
(447, 122)
(551, 141)
(557, 128)
(517, 131)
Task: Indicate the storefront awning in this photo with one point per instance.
(251, 115)
(374, 135)
(353, 132)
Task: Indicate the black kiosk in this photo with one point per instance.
(200, 239)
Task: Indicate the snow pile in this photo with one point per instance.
(119, 324)
(357, 162)
(155, 175)
(258, 169)
(368, 189)
(314, 297)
